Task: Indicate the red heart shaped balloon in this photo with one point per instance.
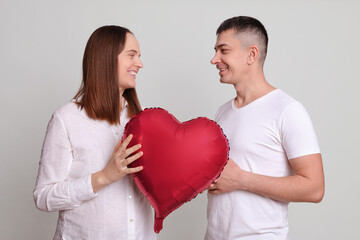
(180, 160)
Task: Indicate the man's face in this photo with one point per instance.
(230, 57)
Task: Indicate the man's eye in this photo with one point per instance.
(224, 50)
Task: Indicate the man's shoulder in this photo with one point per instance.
(227, 105)
(281, 100)
(224, 107)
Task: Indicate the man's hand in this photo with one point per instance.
(306, 185)
(229, 180)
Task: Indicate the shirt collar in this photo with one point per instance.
(124, 101)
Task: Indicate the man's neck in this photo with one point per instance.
(251, 89)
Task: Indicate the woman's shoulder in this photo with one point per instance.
(69, 109)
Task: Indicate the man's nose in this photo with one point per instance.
(215, 59)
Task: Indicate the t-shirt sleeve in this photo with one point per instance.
(297, 132)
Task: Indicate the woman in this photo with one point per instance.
(83, 171)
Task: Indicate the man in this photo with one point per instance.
(274, 155)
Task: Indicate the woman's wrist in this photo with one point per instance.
(98, 181)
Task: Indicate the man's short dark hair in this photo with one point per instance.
(248, 25)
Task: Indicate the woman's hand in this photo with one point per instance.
(117, 166)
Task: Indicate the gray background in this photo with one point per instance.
(313, 55)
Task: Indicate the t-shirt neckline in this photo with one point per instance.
(260, 99)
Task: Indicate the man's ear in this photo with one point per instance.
(253, 54)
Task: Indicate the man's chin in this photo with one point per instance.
(226, 81)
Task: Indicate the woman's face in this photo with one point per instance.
(129, 63)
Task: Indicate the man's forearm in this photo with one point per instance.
(307, 185)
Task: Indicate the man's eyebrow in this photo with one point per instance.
(219, 46)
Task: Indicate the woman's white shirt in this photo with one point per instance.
(76, 146)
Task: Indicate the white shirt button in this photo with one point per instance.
(130, 196)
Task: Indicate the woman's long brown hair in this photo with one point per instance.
(99, 92)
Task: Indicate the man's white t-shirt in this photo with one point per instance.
(263, 136)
